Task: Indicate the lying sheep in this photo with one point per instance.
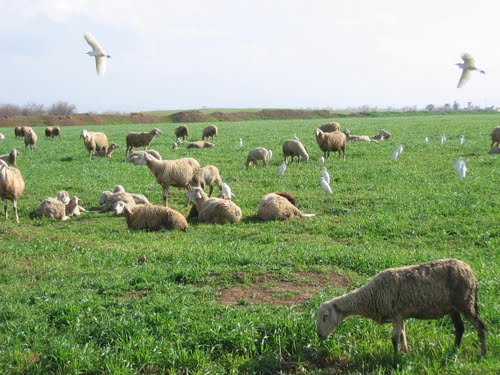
(153, 153)
(107, 151)
(328, 142)
(208, 176)
(135, 139)
(61, 207)
(11, 157)
(275, 206)
(178, 173)
(108, 199)
(209, 131)
(30, 139)
(181, 132)
(200, 144)
(292, 148)
(11, 187)
(94, 141)
(20, 131)
(495, 137)
(151, 217)
(494, 150)
(53, 132)
(259, 153)
(214, 210)
(357, 138)
(330, 127)
(424, 291)
(383, 134)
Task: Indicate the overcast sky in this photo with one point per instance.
(182, 54)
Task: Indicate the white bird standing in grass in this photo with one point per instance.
(442, 139)
(461, 140)
(325, 186)
(426, 140)
(400, 149)
(241, 142)
(322, 160)
(395, 155)
(282, 169)
(467, 67)
(98, 52)
(226, 191)
(463, 171)
(458, 164)
(326, 176)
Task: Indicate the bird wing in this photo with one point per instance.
(93, 43)
(464, 77)
(100, 64)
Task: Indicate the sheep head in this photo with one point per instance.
(84, 134)
(120, 207)
(104, 196)
(157, 131)
(3, 169)
(63, 196)
(319, 133)
(119, 189)
(329, 317)
(195, 193)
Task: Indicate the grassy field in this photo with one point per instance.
(242, 298)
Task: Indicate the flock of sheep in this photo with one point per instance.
(426, 291)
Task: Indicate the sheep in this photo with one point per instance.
(275, 206)
(20, 131)
(292, 148)
(61, 207)
(2, 137)
(334, 141)
(181, 131)
(108, 199)
(140, 139)
(423, 291)
(11, 157)
(94, 141)
(209, 131)
(383, 134)
(494, 150)
(107, 151)
(30, 139)
(151, 217)
(11, 187)
(200, 144)
(209, 176)
(357, 138)
(214, 210)
(259, 153)
(53, 132)
(495, 137)
(179, 173)
(153, 153)
(330, 127)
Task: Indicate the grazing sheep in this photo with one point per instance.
(107, 151)
(153, 153)
(200, 144)
(94, 141)
(61, 207)
(328, 142)
(424, 291)
(214, 210)
(11, 187)
(275, 206)
(53, 132)
(181, 132)
(209, 176)
(30, 139)
(259, 153)
(494, 150)
(383, 134)
(209, 131)
(495, 137)
(151, 217)
(20, 131)
(11, 157)
(292, 148)
(330, 127)
(140, 139)
(2, 137)
(179, 173)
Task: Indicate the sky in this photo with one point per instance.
(188, 54)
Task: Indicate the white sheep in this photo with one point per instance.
(94, 141)
(11, 187)
(153, 153)
(143, 139)
(334, 141)
(208, 176)
(53, 132)
(292, 148)
(30, 139)
(259, 153)
(61, 207)
(278, 206)
(108, 199)
(11, 157)
(200, 144)
(330, 127)
(382, 135)
(107, 151)
(20, 131)
(151, 217)
(179, 173)
(214, 210)
(424, 291)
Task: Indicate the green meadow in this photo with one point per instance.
(242, 298)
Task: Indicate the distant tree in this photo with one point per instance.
(61, 109)
(430, 107)
(32, 109)
(447, 107)
(7, 110)
(456, 106)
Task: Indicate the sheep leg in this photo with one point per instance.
(5, 214)
(397, 328)
(480, 328)
(211, 190)
(404, 343)
(14, 205)
(165, 196)
(459, 327)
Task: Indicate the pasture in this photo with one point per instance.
(243, 298)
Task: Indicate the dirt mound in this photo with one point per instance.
(190, 116)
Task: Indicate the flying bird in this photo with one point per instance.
(467, 66)
(226, 191)
(326, 176)
(98, 52)
(324, 185)
(282, 169)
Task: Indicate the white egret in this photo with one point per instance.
(400, 149)
(241, 142)
(395, 155)
(442, 139)
(282, 169)
(322, 160)
(463, 171)
(326, 176)
(324, 185)
(426, 140)
(98, 52)
(458, 164)
(226, 191)
(467, 67)
(461, 140)
(269, 154)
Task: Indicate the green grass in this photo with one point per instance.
(75, 300)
